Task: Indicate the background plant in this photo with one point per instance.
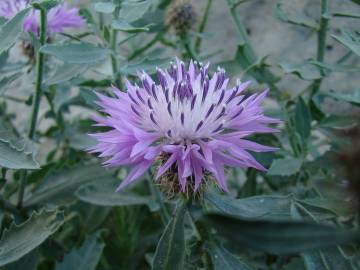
(58, 205)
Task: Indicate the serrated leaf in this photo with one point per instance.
(349, 40)
(104, 7)
(256, 207)
(285, 166)
(279, 237)
(16, 153)
(127, 27)
(222, 259)
(59, 187)
(20, 240)
(76, 53)
(86, 257)
(103, 193)
(10, 31)
(65, 72)
(170, 251)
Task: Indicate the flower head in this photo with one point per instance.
(194, 124)
(181, 15)
(58, 18)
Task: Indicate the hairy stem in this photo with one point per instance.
(202, 25)
(321, 44)
(37, 99)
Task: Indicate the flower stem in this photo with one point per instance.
(147, 46)
(321, 45)
(202, 25)
(38, 93)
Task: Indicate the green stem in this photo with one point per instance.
(321, 45)
(202, 25)
(39, 75)
(38, 93)
(114, 62)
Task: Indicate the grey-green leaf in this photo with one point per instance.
(131, 10)
(86, 257)
(170, 251)
(279, 237)
(66, 72)
(76, 53)
(58, 188)
(302, 119)
(222, 259)
(20, 240)
(16, 153)
(306, 70)
(103, 193)
(285, 166)
(349, 40)
(10, 31)
(127, 27)
(256, 207)
(104, 7)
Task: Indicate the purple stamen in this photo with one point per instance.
(210, 110)
(199, 125)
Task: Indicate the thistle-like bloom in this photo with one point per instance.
(58, 18)
(195, 125)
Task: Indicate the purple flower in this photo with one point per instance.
(196, 122)
(58, 18)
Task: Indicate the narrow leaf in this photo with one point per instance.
(170, 252)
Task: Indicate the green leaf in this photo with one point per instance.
(66, 72)
(127, 27)
(16, 153)
(280, 237)
(20, 240)
(59, 187)
(28, 262)
(103, 193)
(305, 70)
(104, 7)
(252, 208)
(10, 31)
(170, 251)
(285, 166)
(222, 259)
(302, 119)
(297, 20)
(349, 40)
(133, 10)
(76, 53)
(86, 257)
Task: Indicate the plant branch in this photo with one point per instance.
(202, 25)
(321, 45)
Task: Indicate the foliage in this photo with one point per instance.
(59, 208)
